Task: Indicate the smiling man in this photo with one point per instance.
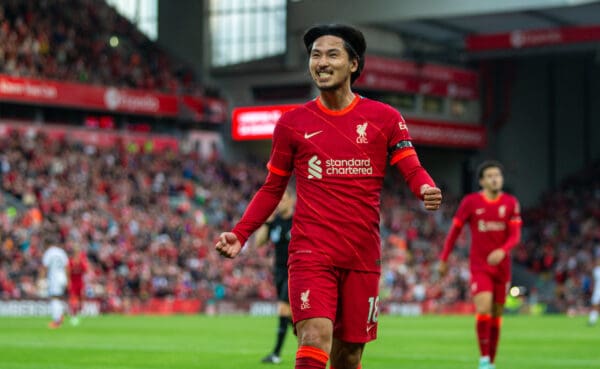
(338, 146)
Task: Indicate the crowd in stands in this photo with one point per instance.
(561, 238)
(69, 41)
(147, 223)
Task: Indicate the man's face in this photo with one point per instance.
(492, 179)
(329, 63)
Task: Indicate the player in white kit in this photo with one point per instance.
(596, 294)
(56, 262)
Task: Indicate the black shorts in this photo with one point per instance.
(281, 285)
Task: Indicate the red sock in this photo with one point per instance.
(484, 322)
(308, 357)
(494, 336)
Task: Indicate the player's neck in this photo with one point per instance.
(491, 195)
(337, 99)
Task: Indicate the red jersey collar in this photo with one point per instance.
(491, 201)
(348, 108)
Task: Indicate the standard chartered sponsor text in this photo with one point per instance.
(348, 167)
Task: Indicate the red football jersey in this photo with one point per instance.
(339, 159)
(489, 222)
(78, 266)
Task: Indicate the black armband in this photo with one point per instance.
(399, 146)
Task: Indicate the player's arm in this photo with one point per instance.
(404, 157)
(513, 238)
(462, 214)
(268, 196)
(262, 205)
(419, 181)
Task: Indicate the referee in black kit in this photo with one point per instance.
(277, 230)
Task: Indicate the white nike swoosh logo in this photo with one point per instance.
(309, 135)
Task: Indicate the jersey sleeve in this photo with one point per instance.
(514, 228)
(515, 218)
(463, 213)
(461, 216)
(399, 142)
(281, 161)
(403, 155)
(261, 207)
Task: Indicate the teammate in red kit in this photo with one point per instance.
(78, 266)
(338, 146)
(495, 222)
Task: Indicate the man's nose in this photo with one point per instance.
(323, 61)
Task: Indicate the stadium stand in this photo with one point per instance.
(562, 238)
(69, 41)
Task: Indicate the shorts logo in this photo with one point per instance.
(361, 129)
(304, 298)
(402, 126)
(474, 287)
(314, 168)
(371, 326)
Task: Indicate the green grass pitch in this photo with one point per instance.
(239, 342)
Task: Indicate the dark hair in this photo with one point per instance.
(486, 165)
(354, 42)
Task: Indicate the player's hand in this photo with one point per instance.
(442, 268)
(496, 256)
(432, 197)
(228, 245)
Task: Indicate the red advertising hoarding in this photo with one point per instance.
(130, 101)
(533, 38)
(388, 74)
(258, 122)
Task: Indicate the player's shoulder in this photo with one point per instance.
(297, 115)
(471, 197)
(379, 108)
(510, 199)
(299, 111)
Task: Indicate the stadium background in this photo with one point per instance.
(124, 146)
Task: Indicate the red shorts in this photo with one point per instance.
(482, 281)
(349, 298)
